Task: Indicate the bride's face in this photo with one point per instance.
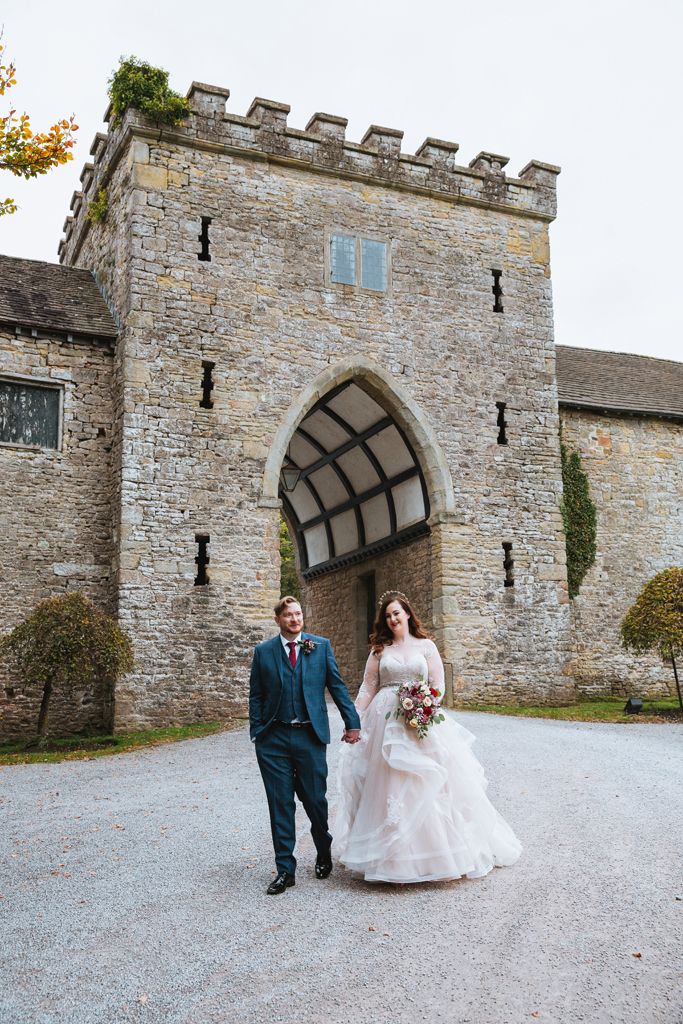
(397, 618)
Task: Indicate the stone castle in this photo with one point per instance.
(274, 320)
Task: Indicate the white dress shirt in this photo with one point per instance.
(285, 644)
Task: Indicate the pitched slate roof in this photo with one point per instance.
(51, 297)
(619, 382)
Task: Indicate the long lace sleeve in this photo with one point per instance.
(435, 667)
(370, 684)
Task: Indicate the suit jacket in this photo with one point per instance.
(318, 671)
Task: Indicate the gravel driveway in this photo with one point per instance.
(133, 890)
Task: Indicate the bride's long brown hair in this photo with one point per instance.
(381, 635)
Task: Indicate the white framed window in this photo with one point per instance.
(342, 259)
(30, 413)
(373, 265)
(360, 262)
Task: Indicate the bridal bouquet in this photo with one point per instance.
(418, 703)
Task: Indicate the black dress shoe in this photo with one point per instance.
(323, 866)
(281, 882)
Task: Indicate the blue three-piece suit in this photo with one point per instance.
(292, 759)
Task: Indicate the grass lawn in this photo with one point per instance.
(595, 709)
(84, 748)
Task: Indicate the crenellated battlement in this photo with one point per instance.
(322, 147)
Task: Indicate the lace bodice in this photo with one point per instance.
(400, 663)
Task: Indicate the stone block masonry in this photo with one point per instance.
(236, 347)
(336, 604)
(635, 471)
(56, 514)
(264, 311)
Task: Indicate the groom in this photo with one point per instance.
(290, 729)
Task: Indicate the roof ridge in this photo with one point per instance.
(614, 352)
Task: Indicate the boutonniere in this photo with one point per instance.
(306, 646)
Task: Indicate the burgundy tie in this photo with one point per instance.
(292, 652)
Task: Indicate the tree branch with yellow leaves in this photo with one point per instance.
(26, 153)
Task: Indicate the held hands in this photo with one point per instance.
(351, 736)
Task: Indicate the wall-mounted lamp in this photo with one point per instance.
(290, 474)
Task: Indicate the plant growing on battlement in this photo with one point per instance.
(23, 153)
(579, 518)
(655, 621)
(64, 644)
(99, 207)
(137, 84)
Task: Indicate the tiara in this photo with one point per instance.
(386, 593)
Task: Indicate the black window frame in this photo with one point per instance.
(38, 384)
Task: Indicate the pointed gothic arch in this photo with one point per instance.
(397, 401)
(372, 472)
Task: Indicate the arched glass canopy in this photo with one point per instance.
(361, 489)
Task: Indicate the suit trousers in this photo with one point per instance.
(294, 761)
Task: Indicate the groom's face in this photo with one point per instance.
(290, 620)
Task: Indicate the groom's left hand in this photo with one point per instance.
(351, 736)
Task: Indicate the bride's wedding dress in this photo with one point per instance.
(410, 809)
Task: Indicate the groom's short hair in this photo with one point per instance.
(282, 604)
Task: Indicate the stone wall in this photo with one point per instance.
(335, 605)
(635, 469)
(55, 511)
(263, 310)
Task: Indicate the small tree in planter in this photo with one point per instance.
(655, 621)
(65, 643)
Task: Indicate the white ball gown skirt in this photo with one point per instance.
(416, 810)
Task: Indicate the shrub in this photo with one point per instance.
(655, 621)
(137, 84)
(99, 207)
(579, 518)
(66, 642)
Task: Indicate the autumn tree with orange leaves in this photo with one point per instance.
(22, 152)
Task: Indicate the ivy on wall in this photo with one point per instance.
(579, 518)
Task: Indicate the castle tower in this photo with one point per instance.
(381, 320)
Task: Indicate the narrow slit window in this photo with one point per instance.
(342, 259)
(497, 289)
(502, 423)
(508, 564)
(373, 264)
(202, 559)
(29, 414)
(204, 254)
(207, 384)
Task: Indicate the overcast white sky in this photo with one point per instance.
(592, 85)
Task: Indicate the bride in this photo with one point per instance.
(413, 809)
